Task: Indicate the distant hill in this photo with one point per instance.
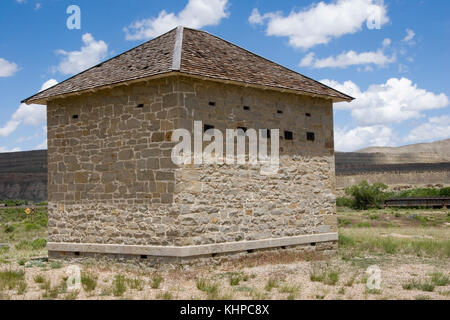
(23, 175)
(439, 150)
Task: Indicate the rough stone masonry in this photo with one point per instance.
(114, 189)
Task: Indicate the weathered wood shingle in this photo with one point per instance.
(202, 54)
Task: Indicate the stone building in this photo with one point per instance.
(114, 189)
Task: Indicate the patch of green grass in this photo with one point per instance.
(289, 288)
(374, 216)
(155, 281)
(389, 246)
(73, 295)
(332, 278)
(21, 287)
(51, 292)
(373, 291)
(243, 289)
(344, 222)
(326, 276)
(422, 297)
(439, 279)
(418, 285)
(31, 226)
(10, 279)
(119, 285)
(136, 284)
(236, 277)
(363, 225)
(374, 242)
(271, 283)
(166, 295)
(39, 279)
(209, 287)
(88, 281)
(8, 228)
(350, 281)
(345, 240)
(56, 265)
(36, 244)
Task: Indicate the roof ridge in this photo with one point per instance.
(177, 50)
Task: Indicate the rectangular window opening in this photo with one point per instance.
(246, 108)
(310, 136)
(279, 111)
(288, 135)
(308, 115)
(140, 106)
(207, 127)
(75, 116)
(212, 103)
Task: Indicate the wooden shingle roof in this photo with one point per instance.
(189, 52)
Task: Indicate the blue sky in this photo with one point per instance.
(392, 56)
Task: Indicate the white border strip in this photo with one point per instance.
(190, 251)
(176, 61)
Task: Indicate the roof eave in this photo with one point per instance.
(45, 100)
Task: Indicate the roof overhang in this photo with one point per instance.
(44, 101)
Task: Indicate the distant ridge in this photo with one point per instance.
(438, 150)
(23, 175)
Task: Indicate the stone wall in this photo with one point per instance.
(112, 181)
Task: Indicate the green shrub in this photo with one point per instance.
(366, 195)
(444, 192)
(8, 228)
(418, 193)
(345, 240)
(345, 202)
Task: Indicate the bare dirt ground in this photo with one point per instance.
(410, 247)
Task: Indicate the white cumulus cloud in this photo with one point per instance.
(346, 59)
(395, 101)
(7, 68)
(3, 149)
(33, 115)
(437, 128)
(360, 137)
(410, 34)
(92, 52)
(321, 22)
(197, 14)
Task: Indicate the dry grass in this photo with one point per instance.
(413, 259)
